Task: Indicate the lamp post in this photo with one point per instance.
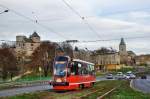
(40, 70)
(4, 11)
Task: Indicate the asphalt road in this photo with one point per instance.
(16, 91)
(141, 84)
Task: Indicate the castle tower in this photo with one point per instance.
(123, 52)
(35, 37)
(20, 39)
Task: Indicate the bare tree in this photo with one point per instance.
(5, 45)
(43, 57)
(67, 49)
(7, 62)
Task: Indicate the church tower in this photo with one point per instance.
(122, 47)
(123, 52)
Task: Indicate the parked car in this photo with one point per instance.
(120, 75)
(129, 72)
(130, 75)
(109, 76)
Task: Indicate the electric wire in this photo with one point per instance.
(36, 22)
(102, 40)
(82, 18)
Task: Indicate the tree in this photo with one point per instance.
(67, 49)
(21, 60)
(104, 50)
(7, 62)
(43, 57)
(5, 45)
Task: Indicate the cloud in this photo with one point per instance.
(109, 18)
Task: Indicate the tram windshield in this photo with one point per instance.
(60, 66)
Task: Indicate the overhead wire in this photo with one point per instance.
(34, 21)
(102, 40)
(82, 18)
(114, 39)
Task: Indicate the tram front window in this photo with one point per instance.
(60, 69)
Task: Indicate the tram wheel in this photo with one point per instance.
(92, 84)
(81, 86)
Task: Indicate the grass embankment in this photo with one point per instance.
(100, 73)
(34, 77)
(125, 92)
(99, 89)
(124, 70)
(31, 78)
(122, 92)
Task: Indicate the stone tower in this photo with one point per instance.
(123, 52)
(35, 37)
(27, 45)
(122, 47)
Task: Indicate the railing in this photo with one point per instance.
(23, 84)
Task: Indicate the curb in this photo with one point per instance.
(132, 86)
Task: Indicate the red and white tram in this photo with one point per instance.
(69, 74)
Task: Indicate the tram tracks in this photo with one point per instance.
(97, 93)
(86, 95)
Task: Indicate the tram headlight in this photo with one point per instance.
(58, 80)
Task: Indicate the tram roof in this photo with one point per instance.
(78, 60)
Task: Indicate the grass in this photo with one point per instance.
(123, 92)
(33, 78)
(125, 70)
(98, 73)
(24, 79)
(28, 96)
(102, 87)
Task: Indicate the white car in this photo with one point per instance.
(109, 76)
(130, 75)
(120, 75)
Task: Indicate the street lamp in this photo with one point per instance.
(4, 11)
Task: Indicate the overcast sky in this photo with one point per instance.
(110, 19)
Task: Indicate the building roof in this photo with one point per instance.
(35, 34)
(105, 51)
(28, 40)
(131, 53)
(122, 42)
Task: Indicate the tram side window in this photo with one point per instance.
(85, 69)
(74, 68)
(91, 69)
(80, 70)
